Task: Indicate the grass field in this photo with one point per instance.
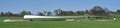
(58, 24)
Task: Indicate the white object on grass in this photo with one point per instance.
(63, 17)
(114, 19)
(70, 19)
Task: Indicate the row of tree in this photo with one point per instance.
(96, 10)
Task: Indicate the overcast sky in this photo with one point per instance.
(50, 5)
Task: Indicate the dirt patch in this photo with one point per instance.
(15, 20)
(103, 20)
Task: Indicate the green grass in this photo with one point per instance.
(58, 24)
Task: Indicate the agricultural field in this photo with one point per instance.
(58, 24)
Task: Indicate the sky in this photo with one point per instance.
(35, 6)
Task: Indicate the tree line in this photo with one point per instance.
(96, 10)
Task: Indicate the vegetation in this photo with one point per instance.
(57, 24)
(95, 11)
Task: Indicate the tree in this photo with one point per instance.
(29, 13)
(40, 14)
(16, 15)
(25, 13)
(66, 13)
(2, 14)
(86, 12)
(49, 13)
(79, 12)
(118, 11)
(57, 12)
(71, 13)
(8, 13)
(45, 13)
(97, 10)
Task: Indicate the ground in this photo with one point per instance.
(59, 24)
